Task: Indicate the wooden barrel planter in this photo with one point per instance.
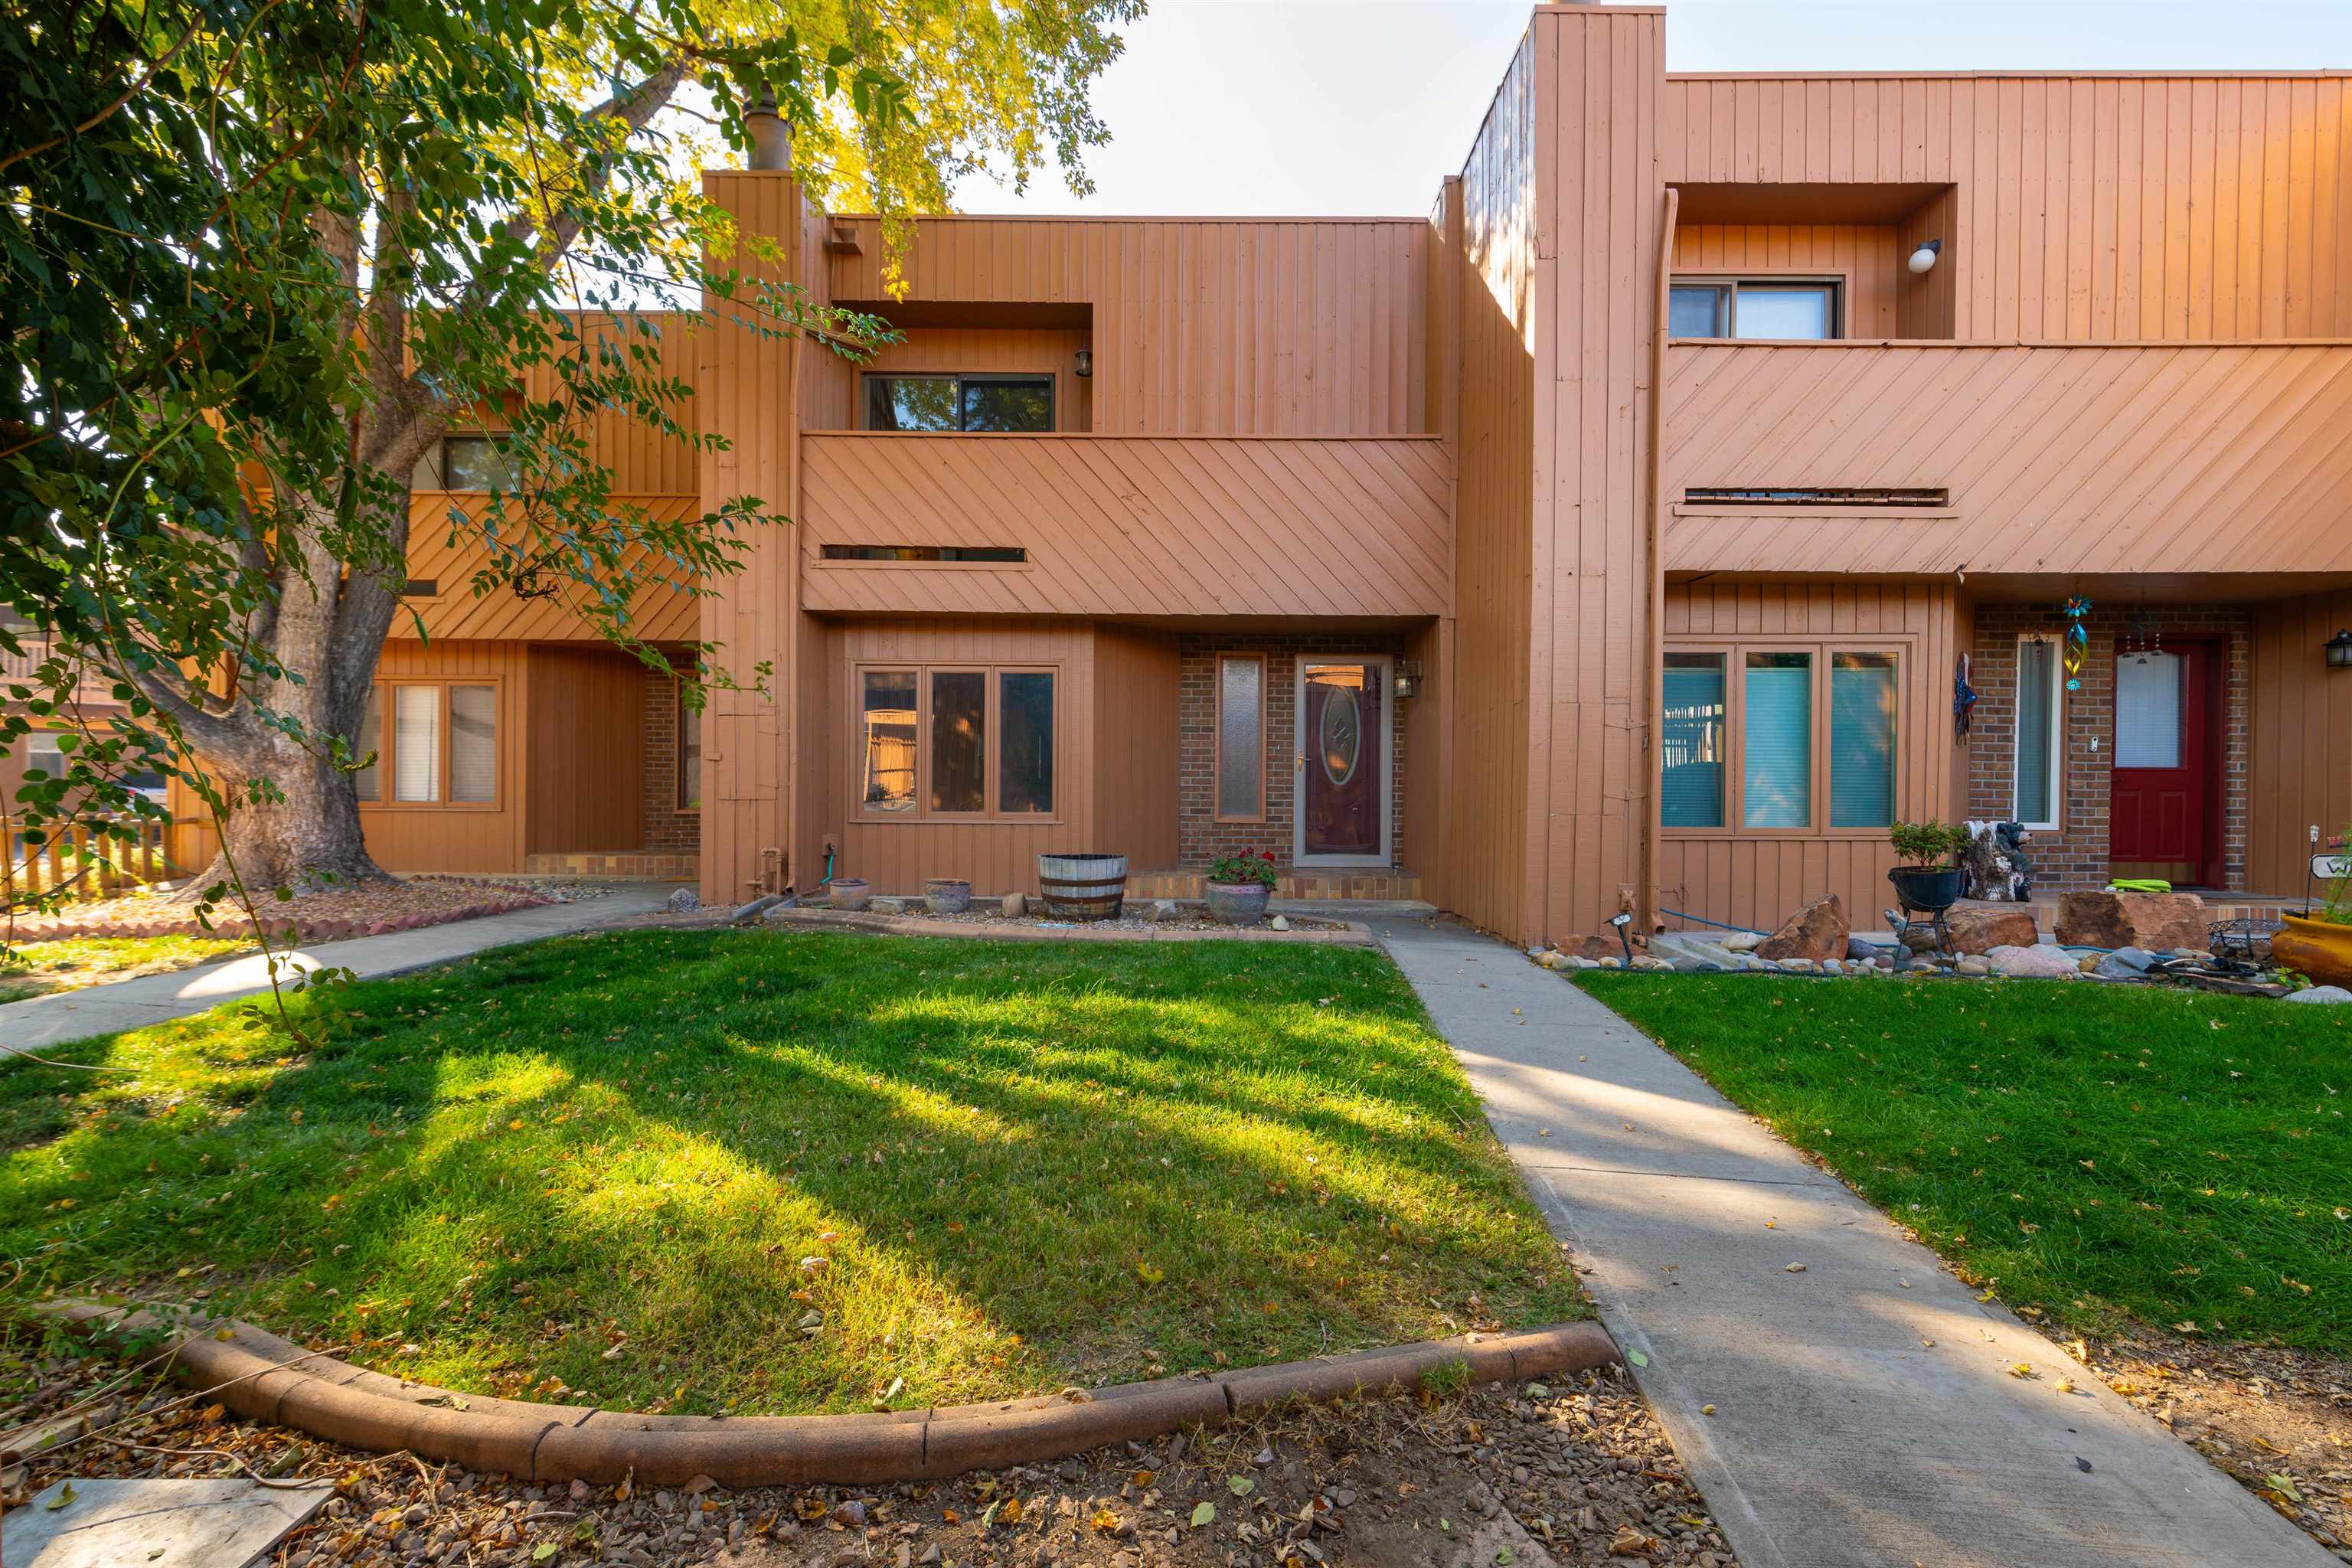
(1082, 886)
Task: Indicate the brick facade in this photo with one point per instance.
(2076, 856)
(668, 828)
(1201, 838)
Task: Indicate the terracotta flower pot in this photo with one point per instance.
(851, 893)
(2321, 949)
(947, 895)
(1238, 904)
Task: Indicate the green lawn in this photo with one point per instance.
(38, 968)
(1025, 1166)
(2087, 1151)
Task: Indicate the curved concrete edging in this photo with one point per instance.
(1352, 933)
(258, 1375)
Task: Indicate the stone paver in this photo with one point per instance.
(156, 1523)
(151, 998)
(1864, 1410)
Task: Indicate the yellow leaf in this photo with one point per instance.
(1148, 1274)
(2021, 1370)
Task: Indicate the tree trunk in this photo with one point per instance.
(309, 840)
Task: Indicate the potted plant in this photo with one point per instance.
(1239, 886)
(2317, 941)
(1931, 881)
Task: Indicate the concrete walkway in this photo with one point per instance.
(151, 998)
(1865, 1411)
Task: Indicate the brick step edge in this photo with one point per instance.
(257, 1374)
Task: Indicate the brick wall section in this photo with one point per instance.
(668, 829)
(1201, 838)
(2076, 855)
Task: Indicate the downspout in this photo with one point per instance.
(1645, 900)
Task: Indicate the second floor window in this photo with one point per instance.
(467, 461)
(1753, 308)
(990, 402)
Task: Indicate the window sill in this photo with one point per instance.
(466, 806)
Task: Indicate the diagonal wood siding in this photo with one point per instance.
(1132, 525)
(2195, 458)
(663, 613)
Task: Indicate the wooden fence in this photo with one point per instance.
(81, 864)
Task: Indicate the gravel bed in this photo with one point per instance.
(328, 913)
(1577, 1473)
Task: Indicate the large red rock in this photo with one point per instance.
(1981, 928)
(2156, 921)
(1593, 947)
(1818, 931)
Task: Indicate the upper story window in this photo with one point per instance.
(1785, 308)
(465, 460)
(987, 402)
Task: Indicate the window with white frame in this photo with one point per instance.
(2036, 782)
(1767, 308)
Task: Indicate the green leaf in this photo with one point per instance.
(545, 1551)
(1203, 1514)
(65, 1495)
(1637, 1358)
(1240, 1486)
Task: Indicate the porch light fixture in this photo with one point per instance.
(1408, 679)
(1086, 363)
(2340, 651)
(1924, 258)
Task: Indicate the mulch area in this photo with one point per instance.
(2279, 1421)
(370, 909)
(1576, 1474)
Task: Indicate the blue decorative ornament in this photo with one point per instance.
(2078, 639)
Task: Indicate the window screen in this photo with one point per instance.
(473, 744)
(1690, 788)
(1698, 310)
(1862, 739)
(689, 754)
(2037, 713)
(1777, 738)
(416, 742)
(370, 779)
(1240, 752)
(1025, 742)
(1785, 311)
(888, 716)
(959, 740)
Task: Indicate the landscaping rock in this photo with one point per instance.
(1279, 922)
(1161, 909)
(1868, 951)
(1593, 947)
(2156, 922)
(2019, 962)
(887, 905)
(1553, 958)
(1818, 931)
(1015, 906)
(2322, 995)
(1796, 965)
(1974, 967)
(1740, 941)
(1647, 962)
(2136, 959)
(2107, 966)
(745, 914)
(1981, 928)
(1833, 966)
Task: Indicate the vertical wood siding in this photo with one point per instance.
(454, 838)
(2300, 757)
(1760, 880)
(1133, 772)
(1201, 325)
(1864, 255)
(2111, 208)
(1008, 349)
(586, 737)
(664, 344)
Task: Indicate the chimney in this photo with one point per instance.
(771, 139)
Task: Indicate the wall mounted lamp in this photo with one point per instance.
(2340, 651)
(1086, 363)
(1924, 258)
(1408, 677)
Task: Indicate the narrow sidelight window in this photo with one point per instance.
(1862, 739)
(1026, 743)
(690, 753)
(369, 780)
(1692, 737)
(1777, 739)
(887, 741)
(1240, 738)
(473, 744)
(417, 744)
(2039, 706)
(959, 740)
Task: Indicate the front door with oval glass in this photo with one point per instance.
(1343, 768)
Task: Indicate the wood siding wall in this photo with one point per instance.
(662, 612)
(1759, 878)
(1024, 351)
(2300, 758)
(1134, 771)
(449, 838)
(587, 740)
(2110, 208)
(1862, 255)
(1202, 326)
(1126, 526)
(2190, 458)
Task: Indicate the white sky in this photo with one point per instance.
(1323, 106)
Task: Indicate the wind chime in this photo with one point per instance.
(2143, 638)
(2077, 609)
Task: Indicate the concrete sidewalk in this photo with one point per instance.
(152, 998)
(1864, 1411)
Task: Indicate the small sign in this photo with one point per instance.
(2331, 867)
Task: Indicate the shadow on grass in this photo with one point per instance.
(976, 1168)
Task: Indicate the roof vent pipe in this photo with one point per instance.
(771, 139)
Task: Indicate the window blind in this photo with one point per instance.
(1777, 738)
(2147, 710)
(1690, 786)
(473, 744)
(2037, 701)
(417, 744)
(1862, 739)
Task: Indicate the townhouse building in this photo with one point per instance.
(1631, 530)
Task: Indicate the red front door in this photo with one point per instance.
(2165, 805)
(1343, 790)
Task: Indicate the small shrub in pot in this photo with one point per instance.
(1930, 878)
(1239, 886)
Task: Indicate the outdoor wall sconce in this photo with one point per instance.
(1086, 363)
(2340, 651)
(1924, 258)
(1408, 677)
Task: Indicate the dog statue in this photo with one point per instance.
(1994, 867)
